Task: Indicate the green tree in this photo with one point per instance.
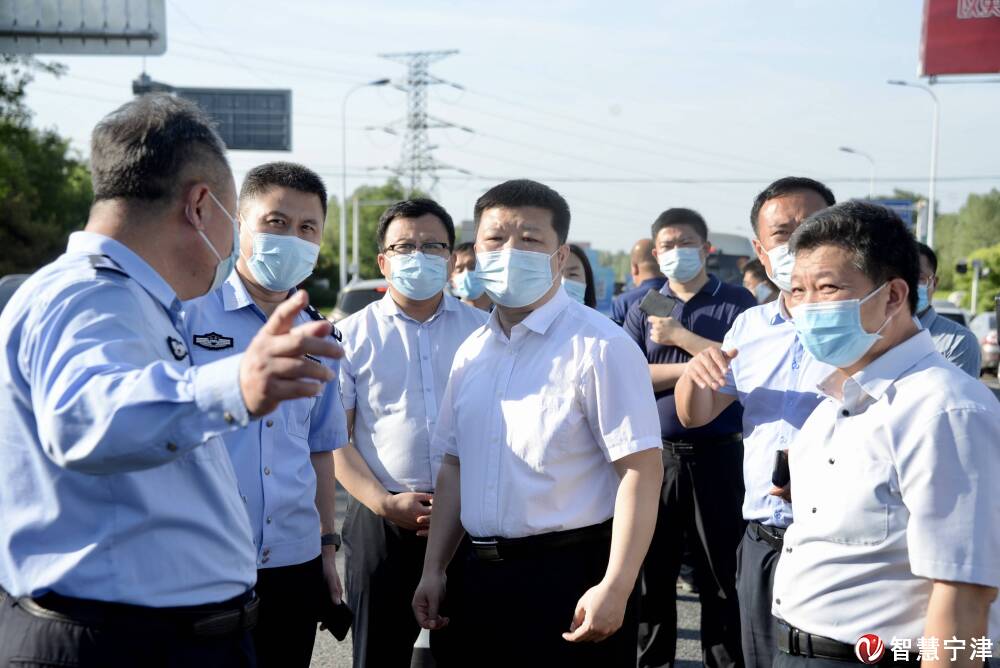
(45, 190)
(957, 236)
(373, 201)
(989, 285)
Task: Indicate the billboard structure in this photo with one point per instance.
(84, 27)
(960, 37)
(248, 119)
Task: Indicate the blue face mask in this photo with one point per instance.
(467, 285)
(681, 264)
(923, 300)
(763, 292)
(575, 289)
(225, 265)
(515, 278)
(418, 276)
(280, 262)
(782, 263)
(832, 331)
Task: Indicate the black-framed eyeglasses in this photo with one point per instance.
(429, 247)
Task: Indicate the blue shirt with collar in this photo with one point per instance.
(709, 314)
(114, 482)
(956, 343)
(776, 380)
(270, 455)
(621, 304)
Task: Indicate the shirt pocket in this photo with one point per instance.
(541, 428)
(863, 492)
(297, 417)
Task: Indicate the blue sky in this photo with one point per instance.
(565, 90)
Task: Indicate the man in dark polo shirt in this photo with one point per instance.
(700, 504)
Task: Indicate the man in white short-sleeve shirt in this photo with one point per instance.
(545, 435)
(894, 474)
(397, 355)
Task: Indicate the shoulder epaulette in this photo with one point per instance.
(316, 315)
(105, 263)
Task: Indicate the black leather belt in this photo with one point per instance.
(797, 642)
(690, 447)
(773, 536)
(499, 549)
(237, 614)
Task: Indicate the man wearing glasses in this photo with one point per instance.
(397, 355)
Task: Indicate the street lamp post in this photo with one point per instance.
(343, 174)
(934, 149)
(871, 160)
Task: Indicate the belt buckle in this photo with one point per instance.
(486, 549)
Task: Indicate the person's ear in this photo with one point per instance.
(383, 265)
(450, 269)
(196, 203)
(562, 257)
(759, 251)
(897, 301)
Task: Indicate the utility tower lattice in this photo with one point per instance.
(417, 164)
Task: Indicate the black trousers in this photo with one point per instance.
(701, 503)
(514, 612)
(28, 640)
(755, 586)
(290, 599)
(384, 564)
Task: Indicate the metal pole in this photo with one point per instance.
(977, 267)
(871, 160)
(934, 149)
(933, 181)
(343, 175)
(355, 240)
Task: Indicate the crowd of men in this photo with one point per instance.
(526, 475)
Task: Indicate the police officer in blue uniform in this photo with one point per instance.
(284, 463)
(123, 538)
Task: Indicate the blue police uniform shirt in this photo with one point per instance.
(957, 343)
(114, 483)
(776, 381)
(270, 455)
(709, 314)
(621, 304)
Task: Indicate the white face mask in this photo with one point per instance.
(782, 264)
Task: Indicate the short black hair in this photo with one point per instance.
(524, 192)
(787, 186)
(680, 216)
(145, 148)
(414, 208)
(465, 247)
(756, 269)
(291, 175)
(928, 253)
(590, 294)
(882, 246)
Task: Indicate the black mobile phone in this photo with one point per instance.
(336, 618)
(781, 476)
(658, 304)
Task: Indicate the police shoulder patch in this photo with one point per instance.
(213, 341)
(314, 313)
(105, 263)
(177, 348)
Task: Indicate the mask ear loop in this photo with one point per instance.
(874, 292)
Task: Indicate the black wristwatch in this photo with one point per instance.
(330, 539)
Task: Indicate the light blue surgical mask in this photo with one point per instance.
(832, 331)
(225, 265)
(575, 289)
(681, 264)
(515, 278)
(467, 285)
(281, 261)
(763, 292)
(418, 276)
(782, 263)
(923, 300)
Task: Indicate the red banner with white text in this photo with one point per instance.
(960, 37)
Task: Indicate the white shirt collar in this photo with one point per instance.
(872, 382)
(387, 307)
(539, 320)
